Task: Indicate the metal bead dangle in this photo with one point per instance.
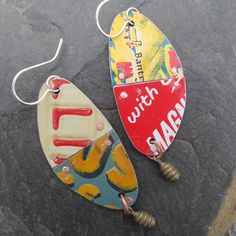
(144, 218)
(141, 217)
(168, 170)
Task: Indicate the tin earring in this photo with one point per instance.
(82, 148)
(148, 84)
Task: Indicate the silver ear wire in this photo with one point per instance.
(126, 19)
(33, 67)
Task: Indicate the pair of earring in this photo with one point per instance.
(79, 143)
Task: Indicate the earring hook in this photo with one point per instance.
(33, 67)
(126, 18)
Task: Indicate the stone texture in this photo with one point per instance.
(33, 201)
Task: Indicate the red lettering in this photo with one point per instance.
(71, 142)
(58, 112)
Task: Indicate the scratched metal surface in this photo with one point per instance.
(33, 200)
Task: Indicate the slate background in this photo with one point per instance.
(32, 200)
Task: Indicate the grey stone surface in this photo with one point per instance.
(232, 231)
(33, 201)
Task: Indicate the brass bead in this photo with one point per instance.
(144, 218)
(169, 170)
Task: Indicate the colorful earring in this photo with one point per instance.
(82, 148)
(148, 85)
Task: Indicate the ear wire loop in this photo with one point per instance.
(31, 68)
(126, 18)
(157, 150)
(143, 218)
(127, 209)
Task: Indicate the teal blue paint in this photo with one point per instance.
(109, 195)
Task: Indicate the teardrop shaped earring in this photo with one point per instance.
(82, 148)
(148, 84)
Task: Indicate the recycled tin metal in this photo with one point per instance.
(148, 82)
(82, 148)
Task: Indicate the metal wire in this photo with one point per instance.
(31, 68)
(126, 20)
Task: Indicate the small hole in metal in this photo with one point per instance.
(131, 23)
(58, 91)
(152, 140)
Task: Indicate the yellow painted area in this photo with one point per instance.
(66, 178)
(112, 207)
(148, 41)
(226, 216)
(89, 191)
(124, 178)
(93, 160)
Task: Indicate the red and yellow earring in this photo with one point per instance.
(82, 148)
(148, 84)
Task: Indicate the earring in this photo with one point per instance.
(82, 148)
(148, 85)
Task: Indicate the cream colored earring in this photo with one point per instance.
(82, 148)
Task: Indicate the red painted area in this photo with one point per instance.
(59, 160)
(153, 105)
(125, 68)
(56, 84)
(75, 143)
(58, 112)
(174, 60)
